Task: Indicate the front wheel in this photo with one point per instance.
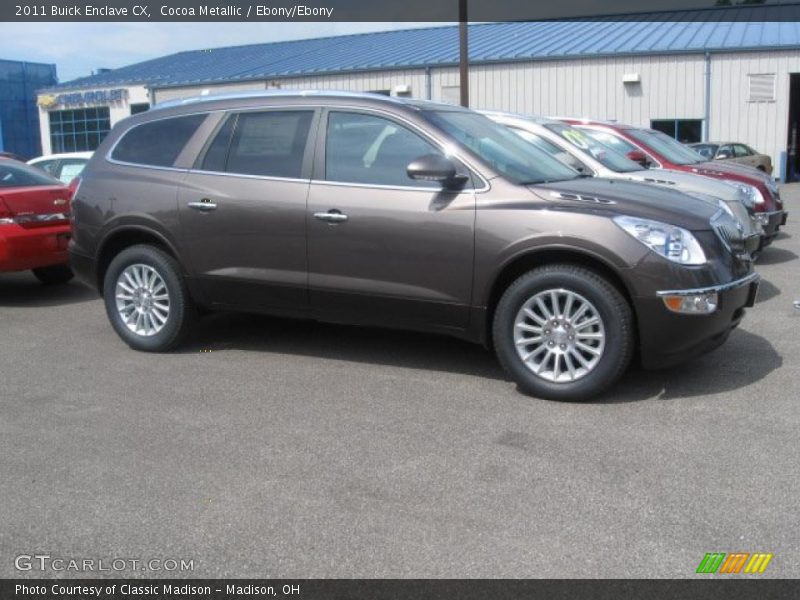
(563, 332)
(146, 299)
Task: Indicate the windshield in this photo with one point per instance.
(602, 153)
(15, 174)
(669, 148)
(505, 151)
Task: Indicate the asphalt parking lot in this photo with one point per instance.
(271, 448)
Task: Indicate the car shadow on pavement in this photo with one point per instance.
(24, 290)
(767, 291)
(409, 349)
(775, 256)
(743, 360)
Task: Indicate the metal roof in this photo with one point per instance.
(664, 33)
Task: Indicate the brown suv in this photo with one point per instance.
(377, 211)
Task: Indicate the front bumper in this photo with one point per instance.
(668, 338)
(23, 248)
(771, 222)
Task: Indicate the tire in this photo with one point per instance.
(146, 280)
(762, 168)
(54, 275)
(610, 336)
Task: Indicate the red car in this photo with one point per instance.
(653, 148)
(34, 222)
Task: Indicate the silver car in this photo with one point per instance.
(592, 158)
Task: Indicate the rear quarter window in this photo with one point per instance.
(14, 174)
(156, 143)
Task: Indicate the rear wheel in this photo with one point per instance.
(146, 299)
(563, 332)
(53, 275)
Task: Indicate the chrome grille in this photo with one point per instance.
(731, 233)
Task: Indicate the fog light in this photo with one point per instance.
(762, 218)
(696, 304)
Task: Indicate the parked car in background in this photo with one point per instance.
(734, 152)
(34, 222)
(653, 148)
(4, 154)
(590, 157)
(64, 167)
(392, 212)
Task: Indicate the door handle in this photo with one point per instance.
(332, 216)
(204, 205)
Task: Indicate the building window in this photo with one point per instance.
(140, 108)
(686, 131)
(78, 130)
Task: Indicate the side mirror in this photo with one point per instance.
(639, 157)
(435, 167)
(722, 155)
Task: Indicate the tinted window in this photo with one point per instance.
(157, 143)
(270, 144)
(366, 149)
(13, 174)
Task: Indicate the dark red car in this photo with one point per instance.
(653, 148)
(34, 222)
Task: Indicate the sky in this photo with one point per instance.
(77, 49)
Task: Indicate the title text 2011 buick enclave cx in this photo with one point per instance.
(401, 213)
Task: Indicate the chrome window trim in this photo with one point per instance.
(407, 188)
(752, 277)
(248, 176)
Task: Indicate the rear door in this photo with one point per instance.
(383, 248)
(243, 210)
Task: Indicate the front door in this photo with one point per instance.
(383, 248)
(243, 211)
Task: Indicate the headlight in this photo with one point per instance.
(671, 242)
(752, 193)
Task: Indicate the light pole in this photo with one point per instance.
(463, 53)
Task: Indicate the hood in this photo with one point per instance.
(691, 183)
(718, 168)
(620, 197)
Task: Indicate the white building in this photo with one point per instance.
(695, 78)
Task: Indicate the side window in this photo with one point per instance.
(270, 144)
(157, 143)
(741, 150)
(48, 166)
(726, 151)
(70, 169)
(366, 149)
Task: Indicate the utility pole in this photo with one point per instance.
(463, 53)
